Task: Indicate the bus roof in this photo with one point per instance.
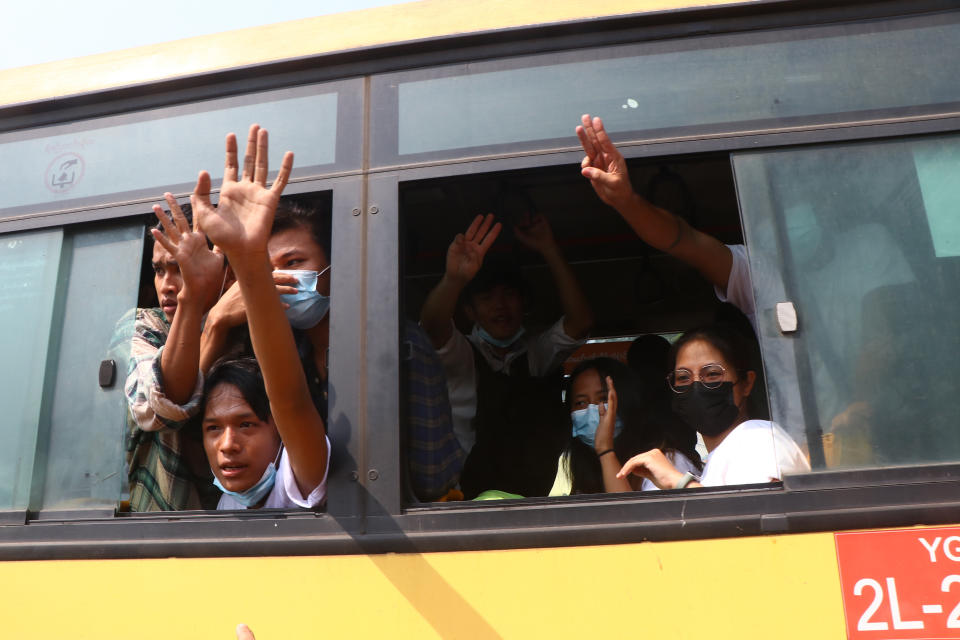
(354, 30)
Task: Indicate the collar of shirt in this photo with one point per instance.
(498, 363)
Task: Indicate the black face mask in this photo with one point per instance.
(709, 411)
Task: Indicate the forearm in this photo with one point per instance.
(657, 227)
(300, 425)
(438, 310)
(666, 232)
(270, 333)
(609, 466)
(213, 344)
(578, 316)
(179, 362)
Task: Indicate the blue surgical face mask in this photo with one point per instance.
(257, 492)
(585, 423)
(489, 339)
(307, 306)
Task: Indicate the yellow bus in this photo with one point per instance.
(825, 137)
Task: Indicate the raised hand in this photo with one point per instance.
(603, 165)
(230, 310)
(466, 252)
(241, 222)
(603, 439)
(201, 268)
(535, 233)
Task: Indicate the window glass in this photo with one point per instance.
(167, 449)
(862, 239)
(499, 426)
(28, 279)
(697, 86)
(151, 151)
(84, 461)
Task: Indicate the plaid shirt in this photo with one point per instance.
(434, 455)
(158, 446)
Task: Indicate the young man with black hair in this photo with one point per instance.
(498, 371)
(164, 385)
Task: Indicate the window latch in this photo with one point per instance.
(108, 373)
(786, 317)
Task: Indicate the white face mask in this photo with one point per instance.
(307, 306)
(257, 492)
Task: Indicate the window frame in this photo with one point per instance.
(366, 511)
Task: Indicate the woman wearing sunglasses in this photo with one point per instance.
(711, 380)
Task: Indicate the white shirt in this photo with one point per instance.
(285, 493)
(755, 451)
(682, 464)
(829, 305)
(545, 352)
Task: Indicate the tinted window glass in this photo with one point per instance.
(697, 86)
(84, 447)
(863, 239)
(142, 154)
(29, 264)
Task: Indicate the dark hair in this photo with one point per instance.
(245, 375)
(293, 215)
(495, 271)
(728, 341)
(648, 355)
(737, 350)
(647, 424)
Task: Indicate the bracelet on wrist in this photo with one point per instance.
(686, 479)
(604, 452)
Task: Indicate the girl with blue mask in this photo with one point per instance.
(614, 414)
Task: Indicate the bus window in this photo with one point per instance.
(630, 288)
(664, 88)
(84, 453)
(27, 291)
(181, 478)
(861, 239)
(137, 155)
(67, 305)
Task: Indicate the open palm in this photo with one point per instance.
(201, 268)
(466, 252)
(603, 164)
(242, 220)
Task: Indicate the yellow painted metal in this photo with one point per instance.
(765, 587)
(285, 40)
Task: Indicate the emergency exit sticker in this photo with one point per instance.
(901, 584)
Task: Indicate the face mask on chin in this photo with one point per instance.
(709, 411)
(497, 342)
(307, 306)
(252, 496)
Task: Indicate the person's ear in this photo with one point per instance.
(748, 381)
(468, 311)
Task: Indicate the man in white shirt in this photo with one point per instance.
(498, 346)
